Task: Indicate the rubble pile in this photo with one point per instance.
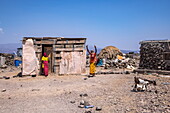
(152, 56)
(124, 63)
(9, 59)
(113, 57)
(109, 52)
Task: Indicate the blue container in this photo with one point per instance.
(16, 62)
(20, 62)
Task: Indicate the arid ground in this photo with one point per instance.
(61, 94)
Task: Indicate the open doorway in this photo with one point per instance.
(48, 50)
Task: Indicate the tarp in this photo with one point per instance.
(29, 59)
(100, 63)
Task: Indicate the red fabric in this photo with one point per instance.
(45, 68)
(92, 57)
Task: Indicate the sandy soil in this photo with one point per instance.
(54, 94)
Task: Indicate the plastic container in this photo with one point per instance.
(16, 62)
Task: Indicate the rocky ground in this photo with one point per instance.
(63, 94)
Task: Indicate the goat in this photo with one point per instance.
(141, 84)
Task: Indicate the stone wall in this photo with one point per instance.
(154, 55)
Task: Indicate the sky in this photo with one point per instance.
(120, 23)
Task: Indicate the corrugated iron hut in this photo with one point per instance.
(66, 55)
(155, 55)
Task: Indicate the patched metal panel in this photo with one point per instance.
(73, 63)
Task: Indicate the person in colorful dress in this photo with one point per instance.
(45, 64)
(92, 60)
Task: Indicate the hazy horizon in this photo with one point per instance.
(120, 23)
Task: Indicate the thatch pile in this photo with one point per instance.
(110, 52)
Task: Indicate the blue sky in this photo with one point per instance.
(121, 23)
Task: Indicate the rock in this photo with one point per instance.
(127, 72)
(33, 75)
(35, 89)
(98, 108)
(15, 76)
(3, 90)
(73, 102)
(156, 91)
(6, 77)
(86, 103)
(85, 78)
(81, 106)
(88, 111)
(81, 95)
(127, 109)
(85, 95)
(82, 102)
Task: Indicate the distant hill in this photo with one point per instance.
(123, 51)
(127, 51)
(9, 48)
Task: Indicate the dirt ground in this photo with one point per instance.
(61, 94)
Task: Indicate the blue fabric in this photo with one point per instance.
(100, 63)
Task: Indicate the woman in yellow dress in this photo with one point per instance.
(92, 60)
(45, 64)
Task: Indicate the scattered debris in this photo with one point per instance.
(81, 106)
(3, 90)
(5, 77)
(35, 90)
(127, 72)
(164, 76)
(73, 102)
(85, 95)
(155, 74)
(85, 78)
(89, 106)
(114, 72)
(166, 83)
(88, 111)
(8, 58)
(98, 108)
(82, 102)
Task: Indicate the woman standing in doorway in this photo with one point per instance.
(45, 64)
